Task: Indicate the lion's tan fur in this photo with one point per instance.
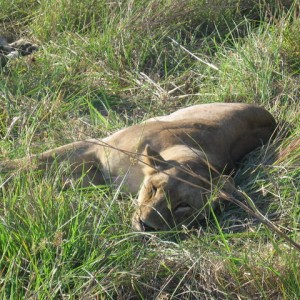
(172, 161)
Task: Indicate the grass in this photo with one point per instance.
(103, 65)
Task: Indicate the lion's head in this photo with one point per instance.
(173, 194)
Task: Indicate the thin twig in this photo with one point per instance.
(253, 211)
(11, 126)
(196, 57)
(250, 208)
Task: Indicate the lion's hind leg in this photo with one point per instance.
(75, 163)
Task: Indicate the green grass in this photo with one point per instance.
(103, 65)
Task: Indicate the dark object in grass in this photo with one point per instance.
(13, 50)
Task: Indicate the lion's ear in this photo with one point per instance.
(152, 160)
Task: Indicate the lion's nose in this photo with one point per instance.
(145, 227)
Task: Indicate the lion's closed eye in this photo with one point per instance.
(153, 189)
(182, 207)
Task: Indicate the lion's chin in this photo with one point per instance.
(139, 225)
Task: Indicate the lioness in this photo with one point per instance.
(173, 162)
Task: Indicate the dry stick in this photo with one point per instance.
(224, 194)
(6, 181)
(134, 156)
(196, 57)
(257, 214)
(153, 82)
(254, 211)
(11, 126)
